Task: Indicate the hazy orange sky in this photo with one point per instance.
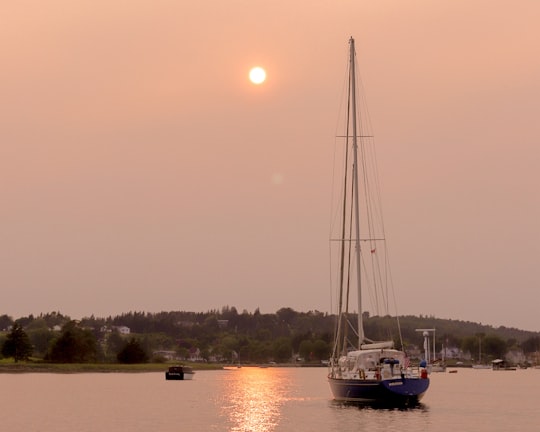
(139, 166)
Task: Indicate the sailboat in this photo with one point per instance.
(480, 365)
(360, 369)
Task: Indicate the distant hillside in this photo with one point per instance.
(259, 337)
(377, 327)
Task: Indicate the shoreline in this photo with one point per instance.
(67, 368)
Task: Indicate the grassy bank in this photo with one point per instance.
(36, 367)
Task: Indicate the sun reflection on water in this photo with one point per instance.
(254, 399)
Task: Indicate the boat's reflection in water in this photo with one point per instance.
(377, 406)
(254, 398)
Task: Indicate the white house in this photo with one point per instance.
(122, 329)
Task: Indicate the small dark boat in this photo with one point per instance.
(179, 373)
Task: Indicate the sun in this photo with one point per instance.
(257, 75)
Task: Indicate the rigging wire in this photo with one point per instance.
(374, 254)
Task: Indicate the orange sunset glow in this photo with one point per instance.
(144, 167)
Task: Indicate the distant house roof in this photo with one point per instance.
(223, 323)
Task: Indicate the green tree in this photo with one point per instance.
(305, 349)
(40, 339)
(17, 344)
(321, 350)
(287, 315)
(113, 344)
(282, 349)
(75, 345)
(494, 346)
(531, 345)
(5, 322)
(182, 353)
(470, 344)
(132, 353)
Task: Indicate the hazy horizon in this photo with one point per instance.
(240, 312)
(140, 170)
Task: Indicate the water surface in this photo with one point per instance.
(260, 399)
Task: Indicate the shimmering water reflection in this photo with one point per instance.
(260, 400)
(252, 398)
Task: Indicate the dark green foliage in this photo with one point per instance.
(494, 346)
(41, 339)
(314, 350)
(114, 343)
(55, 319)
(226, 335)
(282, 350)
(471, 344)
(531, 345)
(321, 350)
(5, 322)
(17, 344)
(75, 345)
(132, 353)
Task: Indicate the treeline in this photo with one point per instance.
(229, 336)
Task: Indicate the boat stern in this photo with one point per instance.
(407, 387)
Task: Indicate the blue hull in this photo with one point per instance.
(396, 392)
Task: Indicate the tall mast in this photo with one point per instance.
(352, 86)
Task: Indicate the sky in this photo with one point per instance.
(140, 170)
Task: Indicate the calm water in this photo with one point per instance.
(257, 400)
